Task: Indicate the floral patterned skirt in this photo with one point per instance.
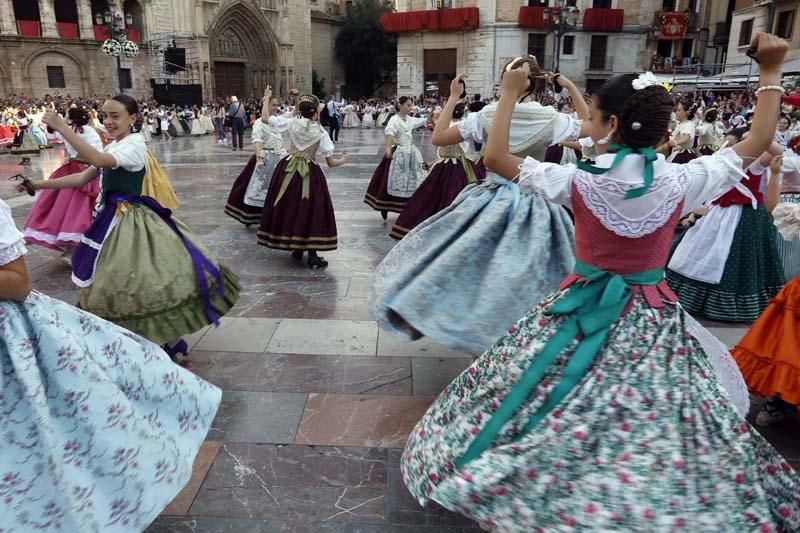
(100, 428)
(647, 441)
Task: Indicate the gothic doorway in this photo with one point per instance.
(244, 53)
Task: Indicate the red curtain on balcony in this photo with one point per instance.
(673, 25)
(28, 28)
(67, 30)
(100, 33)
(433, 20)
(134, 35)
(599, 19)
(532, 17)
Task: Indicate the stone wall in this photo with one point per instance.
(323, 38)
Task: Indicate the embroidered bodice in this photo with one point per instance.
(119, 180)
(401, 129)
(307, 138)
(735, 197)
(453, 151)
(707, 135)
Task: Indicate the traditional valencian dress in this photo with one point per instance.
(769, 354)
(727, 265)
(351, 117)
(451, 172)
(685, 154)
(298, 210)
(790, 194)
(602, 408)
(24, 143)
(157, 185)
(100, 428)
(495, 250)
(60, 217)
(396, 179)
(246, 199)
(140, 267)
(708, 138)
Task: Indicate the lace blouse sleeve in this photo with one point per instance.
(787, 219)
(552, 181)
(326, 146)
(470, 129)
(391, 127)
(258, 132)
(566, 128)
(710, 176)
(12, 245)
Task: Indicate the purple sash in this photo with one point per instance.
(84, 259)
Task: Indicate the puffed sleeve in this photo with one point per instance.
(391, 127)
(470, 129)
(711, 176)
(551, 180)
(258, 132)
(130, 153)
(566, 128)
(12, 245)
(419, 122)
(326, 146)
(787, 219)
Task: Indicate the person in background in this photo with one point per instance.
(237, 113)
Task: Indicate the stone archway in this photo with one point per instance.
(34, 72)
(244, 51)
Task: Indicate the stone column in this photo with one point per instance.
(47, 15)
(8, 23)
(85, 21)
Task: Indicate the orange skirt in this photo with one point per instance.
(769, 354)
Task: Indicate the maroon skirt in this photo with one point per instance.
(444, 182)
(554, 154)
(480, 168)
(236, 208)
(378, 197)
(684, 157)
(298, 223)
(705, 150)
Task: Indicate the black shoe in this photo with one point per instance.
(297, 255)
(384, 215)
(315, 261)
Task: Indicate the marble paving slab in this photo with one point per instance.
(324, 337)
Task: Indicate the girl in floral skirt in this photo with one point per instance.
(137, 265)
(600, 410)
(100, 429)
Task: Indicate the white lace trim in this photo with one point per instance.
(60, 237)
(728, 373)
(574, 131)
(591, 188)
(787, 219)
(13, 252)
(305, 133)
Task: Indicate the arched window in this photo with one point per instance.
(28, 20)
(67, 19)
(99, 8)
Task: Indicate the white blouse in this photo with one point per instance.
(12, 244)
(89, 135)
(130, 153)
(401, 128)
(528, 120)
(696, 182)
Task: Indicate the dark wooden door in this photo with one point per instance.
(440, 69)
(229, 79)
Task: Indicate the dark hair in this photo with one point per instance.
(537, 81)
(689, 107)
(130, 104)
(402, 100)
(308, 106)
(649, 108)
(738, 133)
(477, 97)
(711, 115)
(459, 110)
(79, 115)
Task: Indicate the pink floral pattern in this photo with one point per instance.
(100, 428)
(647, 441)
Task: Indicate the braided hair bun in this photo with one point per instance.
(308, 105)
(643, 115)
(78, 115)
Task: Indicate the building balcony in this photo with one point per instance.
(134, 35)
(29, 28)
(67, 30)
(100, 33)
(600, 19)
(533, 18)
(436, 20)
(672, 25)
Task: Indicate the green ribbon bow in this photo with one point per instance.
(468, 170)
(650, 157)
(590, 306)
(297, 163)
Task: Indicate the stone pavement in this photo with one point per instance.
(317, 400)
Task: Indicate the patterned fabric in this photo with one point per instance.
(493, 251)
(753, 275)
(790, 249)
(236, 207)
(256, 191)
(647, 441)
(405, 171)
(100, 428)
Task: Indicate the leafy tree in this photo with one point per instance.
(317, 85)
(368, 55)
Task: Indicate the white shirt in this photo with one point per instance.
(130, 153)
(89, 135)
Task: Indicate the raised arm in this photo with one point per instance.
(774, 186)
(498, 159)
(770, 52)
(87, 152)
(265, 104)
(443, 133)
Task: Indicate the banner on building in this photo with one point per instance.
(673, 25)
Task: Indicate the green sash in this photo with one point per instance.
(468, 170)
(590, 306)
(297, 163)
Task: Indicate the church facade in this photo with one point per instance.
(227, 46)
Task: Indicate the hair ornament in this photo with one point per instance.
(636, 126)
(645, 79)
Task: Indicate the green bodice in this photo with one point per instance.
(119, 180)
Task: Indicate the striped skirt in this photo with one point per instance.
(790, 250)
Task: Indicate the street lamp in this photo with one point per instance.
(117, 43)
(560, 20)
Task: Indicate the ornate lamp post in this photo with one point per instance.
(560, 20)
(117, 44)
